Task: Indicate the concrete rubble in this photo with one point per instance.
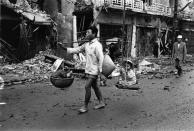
(34, 69)
(37, 30)
(37, 69)
(23, 7)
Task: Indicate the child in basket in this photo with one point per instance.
(127, 75)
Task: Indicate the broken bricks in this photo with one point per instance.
(29, 69)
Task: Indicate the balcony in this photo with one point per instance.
(139, 6)
(157, 9)
(130, 4)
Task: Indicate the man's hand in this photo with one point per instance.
(102, 77)
(61, 45)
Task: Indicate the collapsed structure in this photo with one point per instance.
(24, 31)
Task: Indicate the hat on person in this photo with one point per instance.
(127, 61)
(180, 36)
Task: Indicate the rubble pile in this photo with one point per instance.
(31, 12)
(34, 69)
(158, 68)
(164, 60)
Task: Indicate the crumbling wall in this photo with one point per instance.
(50, 6)
(66, 22)
(21, 36)
(63, 17)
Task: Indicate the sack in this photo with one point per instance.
(107, 66)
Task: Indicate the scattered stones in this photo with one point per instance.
(167, 88)
(65, 114)
(34, 69)
(55, 105)
(151, 77)
(11, 116)
(160, 76)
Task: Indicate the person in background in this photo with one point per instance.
(94, 59)
(179, 54)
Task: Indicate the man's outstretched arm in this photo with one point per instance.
(72, 50)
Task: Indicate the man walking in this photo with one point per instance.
(94, 59)
(179, 53)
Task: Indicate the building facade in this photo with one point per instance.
(186, 23)
(145, 21)
(61, 12)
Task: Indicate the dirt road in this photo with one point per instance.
(160, 104)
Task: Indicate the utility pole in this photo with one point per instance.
(123, 30)
(175, 20)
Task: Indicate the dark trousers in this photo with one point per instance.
(178, 66)
(92, 82)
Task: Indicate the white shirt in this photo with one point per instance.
(178, 45)
(94, 56)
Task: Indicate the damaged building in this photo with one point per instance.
(147, 24)
(24, 31)
(186, 23)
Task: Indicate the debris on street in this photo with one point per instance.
(38, 68)
(145, 66)
(34, 69)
